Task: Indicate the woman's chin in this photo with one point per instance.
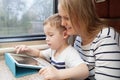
(70, 33)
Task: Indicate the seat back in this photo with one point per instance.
(109, 10)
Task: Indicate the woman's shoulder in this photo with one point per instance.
(108, 31)
(107, 34)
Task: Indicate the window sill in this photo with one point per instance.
(12, 49)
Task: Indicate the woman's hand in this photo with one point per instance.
(50, 73)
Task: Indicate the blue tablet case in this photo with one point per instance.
(16, 70)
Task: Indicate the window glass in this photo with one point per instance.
(24, 17)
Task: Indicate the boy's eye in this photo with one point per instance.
(51, 35)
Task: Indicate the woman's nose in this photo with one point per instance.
(63, 23)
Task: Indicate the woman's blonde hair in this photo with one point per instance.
(82, 12)
(54, 21)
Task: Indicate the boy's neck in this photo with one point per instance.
(59, 50)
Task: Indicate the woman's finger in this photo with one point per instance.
(42, 71)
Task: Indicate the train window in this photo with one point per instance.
(23, 19)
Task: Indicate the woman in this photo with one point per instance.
(100, 43)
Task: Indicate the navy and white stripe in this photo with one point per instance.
(102, 55)
(58, 65)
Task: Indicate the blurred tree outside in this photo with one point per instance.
(23, 17)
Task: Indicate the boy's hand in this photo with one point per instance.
(23, 49)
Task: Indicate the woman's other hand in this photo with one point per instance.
(50, 73)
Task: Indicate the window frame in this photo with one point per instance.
(22, 38)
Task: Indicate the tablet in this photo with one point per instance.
(26, 61)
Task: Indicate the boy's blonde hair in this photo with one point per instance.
(82, 12)
(54, 21)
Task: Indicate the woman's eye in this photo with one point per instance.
(66, 18)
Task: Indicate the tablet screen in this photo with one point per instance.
(21, 59)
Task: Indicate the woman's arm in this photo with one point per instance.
(79, 72)
(107, 55)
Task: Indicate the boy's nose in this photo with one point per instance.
(47, 39)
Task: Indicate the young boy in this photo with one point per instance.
(61, 55)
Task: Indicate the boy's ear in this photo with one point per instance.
(65, 34)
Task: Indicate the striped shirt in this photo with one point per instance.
(102, 55)
(68, 58)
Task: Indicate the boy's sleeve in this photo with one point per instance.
(46, 54)
(73, 58)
